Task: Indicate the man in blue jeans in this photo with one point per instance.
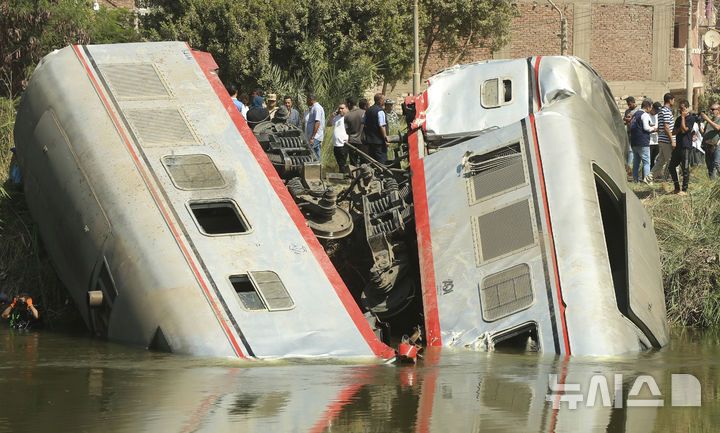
(640, 130)
(710, 140)
(315, 125)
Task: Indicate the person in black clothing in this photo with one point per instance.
(21, 313)
(354, 128)
(257, 113)
(375, 134)
(682, 151)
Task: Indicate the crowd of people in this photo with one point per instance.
(660, 143)
(365, 127)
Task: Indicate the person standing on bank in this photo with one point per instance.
(666, 142)
(293, 115)
(640, 130)
(628, 117)
(354, 128)
(272, 104)
(710, 140)
(315, 124)
(683, 131)
(375, 132)
(340, 137)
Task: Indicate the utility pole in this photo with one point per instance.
(689, 73)
(416, 71)
(563, 30)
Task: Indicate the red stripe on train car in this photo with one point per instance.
(208, 65)
(161, 206)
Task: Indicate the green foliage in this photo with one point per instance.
(688, 233)
(333, 49)
(450, 27)
(33, 28)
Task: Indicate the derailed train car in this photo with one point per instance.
(164, 217)
(175, 227)
(525, 221)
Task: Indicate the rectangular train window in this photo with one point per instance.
(219, 217)
(495, 172)
(496, 92)
(247, 293)
(262, 291)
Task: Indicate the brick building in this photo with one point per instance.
(637, 46)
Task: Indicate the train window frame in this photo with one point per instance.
(209, 203)
(502, 84)
(254, 289)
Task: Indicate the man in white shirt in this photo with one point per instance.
(340, 137)
(640, 130)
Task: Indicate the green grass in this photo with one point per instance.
(688, 233)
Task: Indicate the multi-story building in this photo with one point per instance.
(637, 46)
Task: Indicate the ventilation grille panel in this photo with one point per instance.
(161, 127)
(495, 172)
(135, 81)
(193, 171)
(506, 293)
(503, 231)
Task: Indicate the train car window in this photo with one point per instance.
(219, 217)
(247, 293)
(272, 290)
(490, 97)
(262, 291)
(496, 92)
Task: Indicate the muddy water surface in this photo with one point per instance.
(55, 382)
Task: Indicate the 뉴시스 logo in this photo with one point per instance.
(684, 391)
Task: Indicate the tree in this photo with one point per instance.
(451, 27)
(33, 28)
(332, 48)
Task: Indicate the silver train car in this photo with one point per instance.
(525, 222)
(164, 217)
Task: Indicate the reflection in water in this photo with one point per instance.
(51, 380)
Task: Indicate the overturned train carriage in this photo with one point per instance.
(164, 217)
(526, 225)
(175, 226)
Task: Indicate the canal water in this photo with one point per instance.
(61, 383)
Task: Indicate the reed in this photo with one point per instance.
(688, 233)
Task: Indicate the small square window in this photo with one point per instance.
(219, 217)
(262, 291)
(247, 293)
(496, 92)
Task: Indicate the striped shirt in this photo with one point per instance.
(665, 117)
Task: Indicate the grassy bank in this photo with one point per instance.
(688, 232)
(24, 266)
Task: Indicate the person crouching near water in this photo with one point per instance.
(21, 312)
